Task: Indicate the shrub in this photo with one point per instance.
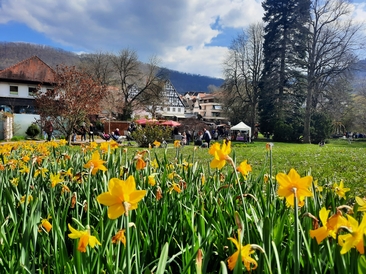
(148, 134)
(32, 131)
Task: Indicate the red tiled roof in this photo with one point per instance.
(31, 69)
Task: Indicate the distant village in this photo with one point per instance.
(19, 82)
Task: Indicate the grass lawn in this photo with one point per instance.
(337, 160)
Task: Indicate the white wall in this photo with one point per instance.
(22, 122)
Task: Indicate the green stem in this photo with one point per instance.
(297, 235)
(128, 244)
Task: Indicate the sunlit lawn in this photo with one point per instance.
(337, 160)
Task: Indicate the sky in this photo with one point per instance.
(191, 36)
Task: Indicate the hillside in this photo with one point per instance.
(12, 53)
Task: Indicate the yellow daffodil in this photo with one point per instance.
(340, 190)
(55, 179)
(244, 168)
(330, 226)
(104, 147)
(46, 224)
(62, 142)
(244, 252)
(156, 143)
(120, 236)
(154, 164)
(22, 199)
(121, 197)
(221, 154)
(203, 178)
(361, 203)
(140, 162)
(318, 188)
(176, 143)
(291, 182)
(95, 163)
(355, 238)
(14, 181)
(114, 145)
(24, 169)
(68, 173)
(25, 158)
(175, 187)
(41, 171)
(85, 238)
(151, 179)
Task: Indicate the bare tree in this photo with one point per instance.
(243, 70)
(331, 45)
(98, 66)
(74, 96)
(134, 79)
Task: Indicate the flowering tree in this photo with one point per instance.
(74, 97)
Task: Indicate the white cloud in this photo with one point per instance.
(177, 31)
(162, 27)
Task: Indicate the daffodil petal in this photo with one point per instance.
(115, 211)
(107, 199)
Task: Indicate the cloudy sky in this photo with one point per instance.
(187, 35)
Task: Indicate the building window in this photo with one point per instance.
(168, 109)
(173, 109)
(178, 109)
(32, 91)
(161, 108)
(14, 90)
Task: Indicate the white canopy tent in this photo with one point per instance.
(243, 127)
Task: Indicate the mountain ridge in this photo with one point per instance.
(12, 53)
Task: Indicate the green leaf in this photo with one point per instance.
(163, 259)
(361, 264)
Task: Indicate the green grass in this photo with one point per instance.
(337, 160)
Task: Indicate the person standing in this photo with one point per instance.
(49, 130)
(206, 136)
(91, 132)
(83, 132)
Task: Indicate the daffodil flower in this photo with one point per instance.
(151, 179)
(355, 238)
(329, 227)
(361, 203)
(45, 224)
(221, 154)
(156, 143)
(55, 179)
(121, 197)
(95, 163)
(175, 187)
(244, 168)
(85, 238)
(140, 162)
(244, 252)
(120, 236)
(340, 190)
(289, 182)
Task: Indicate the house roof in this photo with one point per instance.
(32, 69)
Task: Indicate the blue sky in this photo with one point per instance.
(190, 36)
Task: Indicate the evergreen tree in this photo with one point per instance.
(282, 83)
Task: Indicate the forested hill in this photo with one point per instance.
(184, 82)
(12, 53)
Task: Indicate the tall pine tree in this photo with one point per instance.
(282, 85)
